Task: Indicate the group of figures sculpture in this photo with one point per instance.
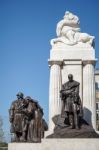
(26, 118)
(26, 115)
(71, 103)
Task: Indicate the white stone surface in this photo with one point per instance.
(58, 144)
(68, 32)
(89, 103)
(72, 52)
(54, 92)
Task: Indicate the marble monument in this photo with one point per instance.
(72, 52)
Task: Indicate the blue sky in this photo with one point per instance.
(26, 27)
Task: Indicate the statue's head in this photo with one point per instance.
(28, 98)
(71, 19)
(70, 77)
(20, 95)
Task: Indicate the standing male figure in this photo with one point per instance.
(71, 103)
(18, 118)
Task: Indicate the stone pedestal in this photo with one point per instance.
(57, 144)
(78, 60)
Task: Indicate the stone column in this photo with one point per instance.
(54, 92)
(89, 102)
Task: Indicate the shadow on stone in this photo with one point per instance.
(88, 115)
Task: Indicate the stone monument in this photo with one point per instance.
(72, 52)
(72, 89)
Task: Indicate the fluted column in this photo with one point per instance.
(54, 91)
(89, 102)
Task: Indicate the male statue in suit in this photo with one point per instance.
(71, 103)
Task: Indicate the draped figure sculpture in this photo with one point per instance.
(68, 32)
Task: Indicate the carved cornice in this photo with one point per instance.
(93, 62)
(53, 62)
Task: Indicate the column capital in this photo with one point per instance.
(92, 62)
(57, 62)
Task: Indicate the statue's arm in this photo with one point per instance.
(77, 90)
(67, 91)
(60, 26)
(28, 109)
(11, 113)
(62, 92)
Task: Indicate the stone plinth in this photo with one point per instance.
(57, 144)
(80, 61)
(80, 51)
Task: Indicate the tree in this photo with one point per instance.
(1, 130)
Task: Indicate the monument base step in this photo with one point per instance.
(58, 144)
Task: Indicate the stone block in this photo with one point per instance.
(58, 144)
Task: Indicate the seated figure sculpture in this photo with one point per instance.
(71, 103)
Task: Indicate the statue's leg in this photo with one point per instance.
(39, 135)
(39, 128)
(67, 121)
(23, 138)
(17, 137)
(71, 120)
(76, 119)
(36, 131)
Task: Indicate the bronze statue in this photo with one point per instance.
(19, 118)
(26, 118)
(71, 103)
(34, 128)
(71, 115)
(44, 128)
